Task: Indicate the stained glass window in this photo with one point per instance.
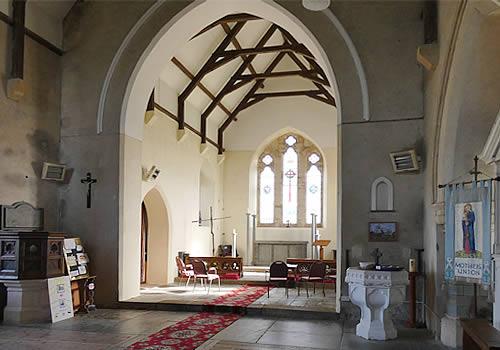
(266, 212)
(313, 194)
(290, 182)
(290, 175)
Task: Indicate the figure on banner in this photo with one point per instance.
(468, 221)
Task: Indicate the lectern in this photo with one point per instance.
(321, 243)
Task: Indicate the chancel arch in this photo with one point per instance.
(382, 195)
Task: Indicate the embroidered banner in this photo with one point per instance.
(468, 232)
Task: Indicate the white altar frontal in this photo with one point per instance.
(373, 292)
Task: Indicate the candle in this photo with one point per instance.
(412, 266)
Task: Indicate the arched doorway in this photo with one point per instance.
(154, 239)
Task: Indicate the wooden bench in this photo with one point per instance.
(479, 334)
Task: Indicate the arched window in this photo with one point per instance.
(290, 183)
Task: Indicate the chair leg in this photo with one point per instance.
(209, 285)
(324, 294)
(307, 289)
(187, 283)
(314, 287)
(286, 286)
(268, 289)
(194, 284)
(298, 288)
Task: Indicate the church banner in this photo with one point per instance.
(468, 232)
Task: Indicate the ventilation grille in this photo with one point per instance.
(405, 161)
(53, 172)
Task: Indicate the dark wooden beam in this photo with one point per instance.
(237, 45)
(189, 127)
(239, 17)
(264, 95)
(228, 86)
(301, 65)
(202, 86)
(151, 102)
(17, 64)
(300, 49)
(244, 101)
(32, 35)
(203, 71)
(307, 74)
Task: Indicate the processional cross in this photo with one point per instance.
(88, 180)
(211, 219)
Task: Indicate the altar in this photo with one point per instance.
(374, 291)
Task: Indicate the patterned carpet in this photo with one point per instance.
(187, 334)
(241, 297)
(195, 330)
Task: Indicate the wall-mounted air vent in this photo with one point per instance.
(53, 172)
(404, 161)
(151, 174)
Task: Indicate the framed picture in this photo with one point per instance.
(382, 232)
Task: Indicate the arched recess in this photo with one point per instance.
(157, 262)
(382, 195)
(161, 31)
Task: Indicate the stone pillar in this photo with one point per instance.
(27, 301)
(496, 253)
(254, 233)
(248, 259)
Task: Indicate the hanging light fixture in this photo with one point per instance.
(316, 5)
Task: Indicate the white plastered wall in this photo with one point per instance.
(180, 165)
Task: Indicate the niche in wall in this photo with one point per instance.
(382, 195)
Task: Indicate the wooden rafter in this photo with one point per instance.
(227, 87)
(240, 17)
(204, 70)
(328, 95)
(202, 86)
(237, 45)
(244, 101)
(308, 74)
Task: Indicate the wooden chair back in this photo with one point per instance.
(278, 269)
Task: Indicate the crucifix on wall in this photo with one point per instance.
(88, 180)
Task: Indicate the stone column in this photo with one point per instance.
(496, 252)
(248, 259)
(254, 229)
(27, 301)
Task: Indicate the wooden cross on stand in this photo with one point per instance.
(88, 180)
(211, 219)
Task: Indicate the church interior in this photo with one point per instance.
(250, 174)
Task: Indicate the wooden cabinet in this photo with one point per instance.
(268, 251)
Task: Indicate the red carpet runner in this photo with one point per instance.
(187, 334)
(240, 297)
(195, 330)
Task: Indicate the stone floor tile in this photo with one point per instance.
(318, 327)
(301, 339)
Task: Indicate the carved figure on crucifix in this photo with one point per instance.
(88, 180)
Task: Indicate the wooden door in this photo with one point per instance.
(144, 242)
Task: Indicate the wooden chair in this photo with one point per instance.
(316, 274)
(302, 270)
(278, 272)
(184, 270)
(479, 334)
(201, 272)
